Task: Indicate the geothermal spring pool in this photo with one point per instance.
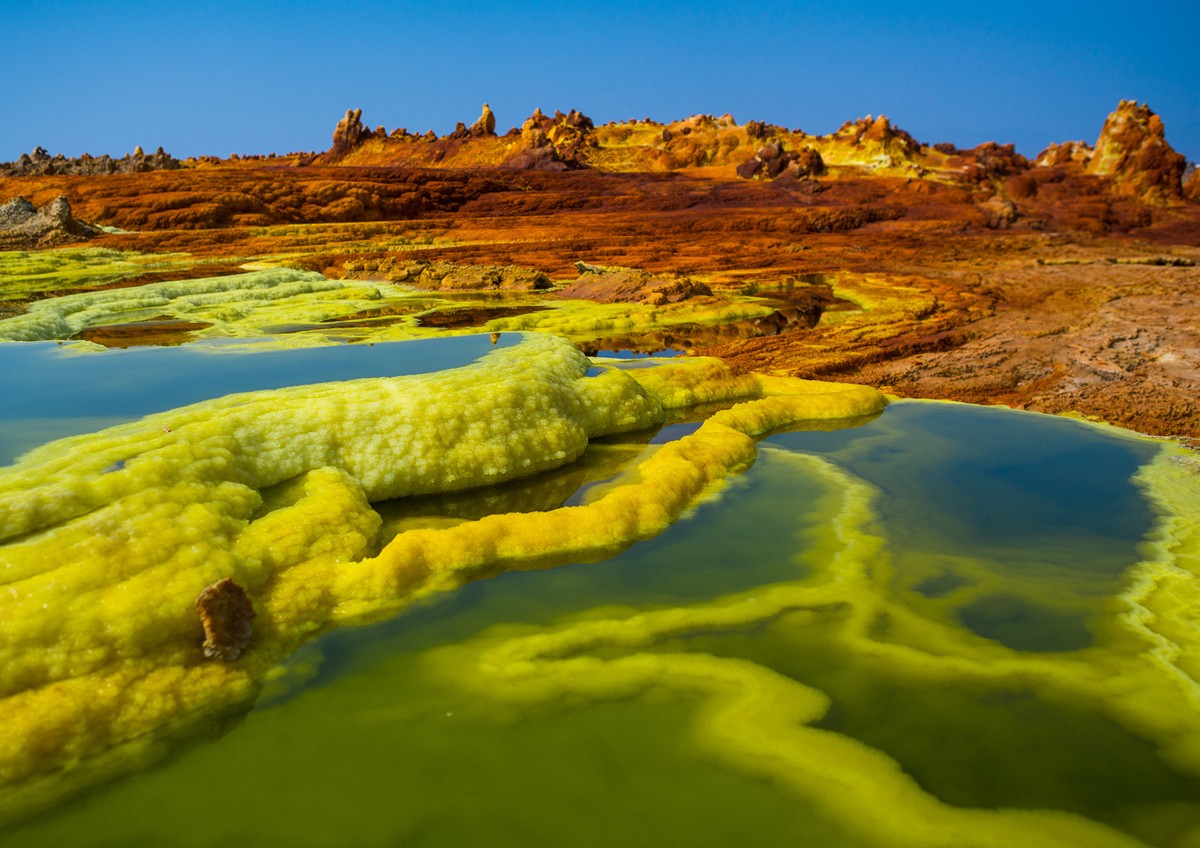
(811, 620)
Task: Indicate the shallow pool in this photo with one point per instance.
(55, 390)
(876, 633)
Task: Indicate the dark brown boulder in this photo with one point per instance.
(772, 161)
(227, 616)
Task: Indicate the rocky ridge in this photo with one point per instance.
(39, 162)
(1131, 153)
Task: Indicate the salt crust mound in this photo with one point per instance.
(109, 537)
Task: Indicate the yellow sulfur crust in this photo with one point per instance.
(108, 538)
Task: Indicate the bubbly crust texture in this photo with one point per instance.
(110, 537)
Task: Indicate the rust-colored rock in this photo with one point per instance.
(1191, 183)
(1133, 150)
(989, 161)
(880, 132)
(485, 124)
(228, 617)
(772, 161)
(348, 133)
(1000, 213)
(443, 276)
(1067, 153)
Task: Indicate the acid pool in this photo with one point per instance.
(911, 628)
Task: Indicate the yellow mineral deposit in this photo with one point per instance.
(1143, 673)
(109, 538)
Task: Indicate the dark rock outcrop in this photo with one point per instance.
(993, 161)
(543, 157)
(1001, 214)
(23, 225)
(1067, 153)
(349, 133)
(772, 161)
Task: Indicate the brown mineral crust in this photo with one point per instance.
(630, 285)
(441, 276)
(1115, 341)
(472, 316)
(227, 616)
(161, 331)
(1111, 340)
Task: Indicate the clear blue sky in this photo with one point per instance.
(225, 77)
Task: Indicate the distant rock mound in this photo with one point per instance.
(41, 163)
(991, 161)
(570, 135)
(1132, 149)
(877, 134)
(23, 225)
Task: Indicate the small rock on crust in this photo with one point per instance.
(228, 616)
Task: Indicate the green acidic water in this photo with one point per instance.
(1005, 530)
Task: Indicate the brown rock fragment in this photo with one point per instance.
(227, 615)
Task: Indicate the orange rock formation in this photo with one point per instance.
(1059, 284)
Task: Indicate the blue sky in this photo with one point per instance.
(266, 77)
